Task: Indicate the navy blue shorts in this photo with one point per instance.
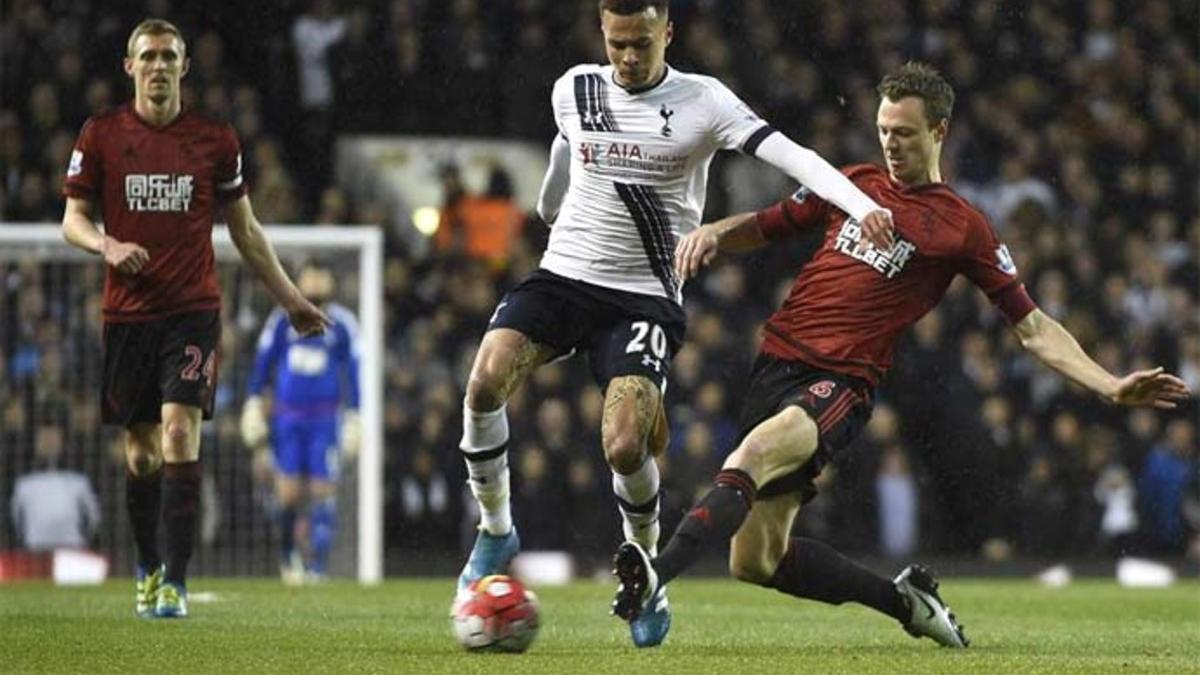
(622, 333)
(840, 405)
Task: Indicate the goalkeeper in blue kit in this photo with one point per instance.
(313, 421)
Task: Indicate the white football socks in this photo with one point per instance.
(485, 448)
(637, 498)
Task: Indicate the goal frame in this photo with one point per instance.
(368, 242)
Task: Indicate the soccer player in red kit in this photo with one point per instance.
(156, 174)
(828, 346)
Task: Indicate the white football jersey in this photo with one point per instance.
(639, 170)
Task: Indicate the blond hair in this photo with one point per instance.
(153, 27)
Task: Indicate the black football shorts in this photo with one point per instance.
(622, 333)
(839, 404)
(168, 360)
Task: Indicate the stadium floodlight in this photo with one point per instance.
(356, 254)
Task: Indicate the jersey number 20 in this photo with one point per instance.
(658, 339)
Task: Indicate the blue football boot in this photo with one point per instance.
(490, 555)
(640, 600)
(172, 601)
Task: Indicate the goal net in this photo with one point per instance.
(50, 370)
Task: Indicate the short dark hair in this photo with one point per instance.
(627, 7)
(926, 83)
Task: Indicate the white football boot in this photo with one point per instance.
(931, 617)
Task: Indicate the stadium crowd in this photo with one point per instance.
(1076, 130)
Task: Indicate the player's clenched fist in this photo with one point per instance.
(306, 317)
(877, 228)
(126, 257)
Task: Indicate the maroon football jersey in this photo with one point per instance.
(158, 187)
(851, 302)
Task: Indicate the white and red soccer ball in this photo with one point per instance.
(496, 613)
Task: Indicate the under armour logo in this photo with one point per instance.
(701, 514)
(648, 360)
(666, 115)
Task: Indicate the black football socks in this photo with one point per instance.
(143, 501)
(181, 508)
(811, 569)
(715, 519)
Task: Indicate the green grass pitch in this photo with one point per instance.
(257, 626)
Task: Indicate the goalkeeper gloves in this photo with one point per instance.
(254, 422)
(351, 435)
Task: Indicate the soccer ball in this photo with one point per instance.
(496, 614)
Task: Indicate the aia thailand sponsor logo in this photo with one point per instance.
(889, 263)
(822, 389)
(158, 192)
(591, 152)
(630, 156)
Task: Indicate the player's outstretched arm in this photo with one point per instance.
(818, 175)
(1046, 339)
(79, 229)
(556, 180)
(732, 234)
(247, 234)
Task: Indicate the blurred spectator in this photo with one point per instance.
(1115, 492)
(53, 507)
(426, 503)
(314, 34)
(538, 498)
(896, 492)
(1169, 469)
(1043, 501)
(483, 227)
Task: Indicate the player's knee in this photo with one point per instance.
(752, 568)
(786, 444)
(177, 432)
(320, 490)
(288, 496)
(142, 454)
(485, 387)
(142, 458)
(623, 450)
(752, 455)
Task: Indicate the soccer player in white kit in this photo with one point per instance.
(627, 177)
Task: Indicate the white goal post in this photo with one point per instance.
(25, 241)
